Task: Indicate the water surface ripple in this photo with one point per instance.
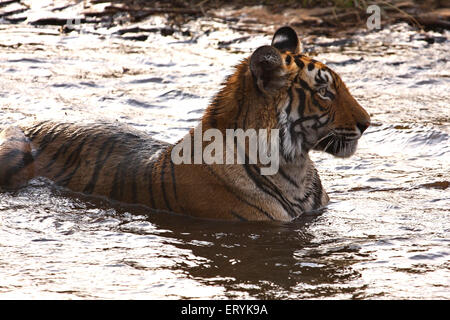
(385, 233)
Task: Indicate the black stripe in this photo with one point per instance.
(27, 158)
(150, 167)
(332, 116)
(278, 194)
(247, 105)
(49, 137)
(316, 103)
(134, 183)
(238, 115)
(122, 177)
(300, 121)
(282, 139)
(266, 186)
(319, 124)
(336, 79)
(63, 149)
(299, 62)
(310, 66)
(172, 172)
(74, 155)
(321, 79)
(288, 60)
(289, 107)
(240, 104)
(119, 182)
(244, 120)
(224, 183)
(304, 84)
(11, 155)
(330, 95)
(287, 177)
(212, 117)
(34, 130)
(76, 161)
(71, 160)
(271, 189)
(301, 102)
(239, 217)
(99, 163)
(53, 133)
(119, 178)
(163, 189)
(307, 194)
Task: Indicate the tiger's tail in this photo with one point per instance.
(16, 159)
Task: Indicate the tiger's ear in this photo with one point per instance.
(266, 66)
(286, 39)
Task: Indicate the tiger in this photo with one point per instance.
(276, 87)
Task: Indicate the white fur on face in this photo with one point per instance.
(317, 77)
(290, 146)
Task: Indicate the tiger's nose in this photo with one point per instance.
(363, 126)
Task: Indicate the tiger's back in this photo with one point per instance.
(119, 163)
(102, 158)
(276, 88)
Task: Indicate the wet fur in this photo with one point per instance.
(274, 88)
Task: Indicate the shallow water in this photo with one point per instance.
(385, 234)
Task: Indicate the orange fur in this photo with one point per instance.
(275, 88)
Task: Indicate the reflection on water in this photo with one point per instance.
(384, 235)
(96, 249)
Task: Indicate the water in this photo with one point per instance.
(384, 235)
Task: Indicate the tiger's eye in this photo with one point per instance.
(323, 91)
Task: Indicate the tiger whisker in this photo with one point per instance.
(320, 140)
(330, 143)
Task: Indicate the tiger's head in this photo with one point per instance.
(314, 108)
